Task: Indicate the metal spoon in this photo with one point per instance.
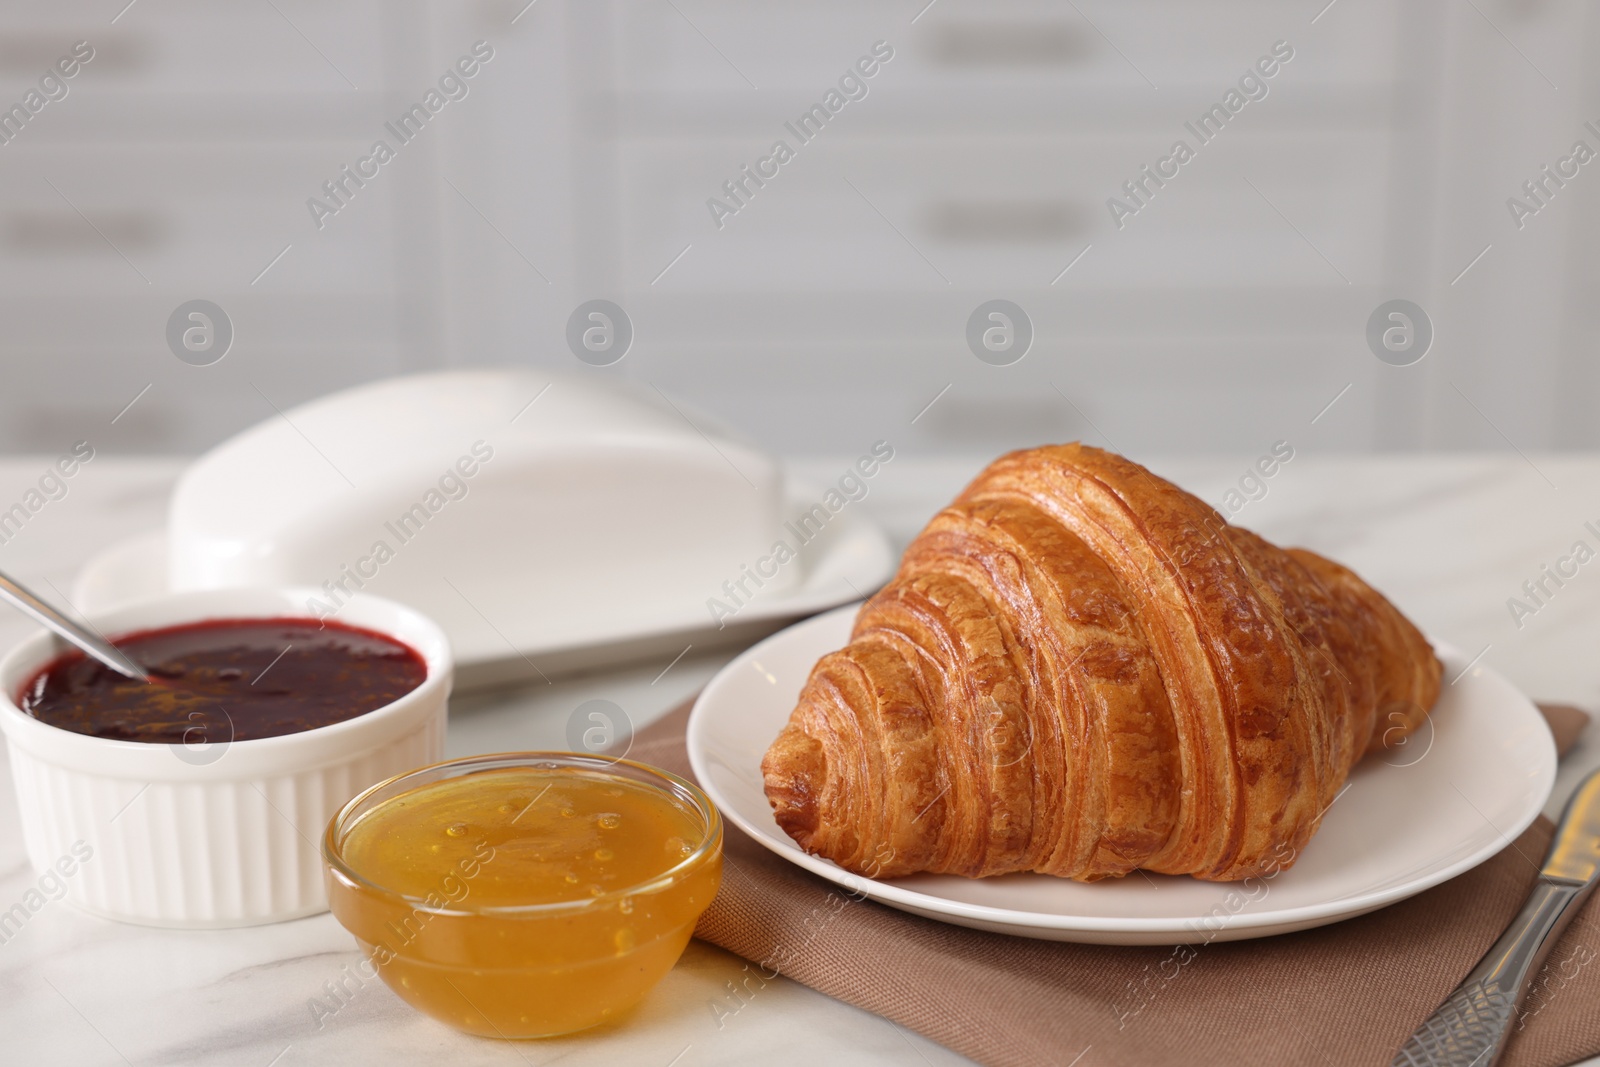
(91, 643)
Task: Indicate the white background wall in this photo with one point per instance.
(832, 309)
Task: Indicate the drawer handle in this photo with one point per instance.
(1004, 222)
(64, 231)
(27, 55)
(1007, 44)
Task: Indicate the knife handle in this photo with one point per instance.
(1471, 1026)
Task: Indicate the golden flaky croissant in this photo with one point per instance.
(1080, 669)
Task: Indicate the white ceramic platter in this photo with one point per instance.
(852, 556)
(1458, 792)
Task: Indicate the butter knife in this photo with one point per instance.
(1471, 1026)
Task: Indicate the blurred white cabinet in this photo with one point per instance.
(178, 167)
(1225, 314)
(831, 308)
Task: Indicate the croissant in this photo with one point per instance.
(1082, 670)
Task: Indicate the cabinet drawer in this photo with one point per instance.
(1010, 211)
(1009, 51)
(190, 46)
(187, 216)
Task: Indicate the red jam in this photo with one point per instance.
(227, 680)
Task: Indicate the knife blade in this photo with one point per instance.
(1471, 1027)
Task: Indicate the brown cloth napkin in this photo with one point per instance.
(1349, 993)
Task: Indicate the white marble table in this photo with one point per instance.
(1449, 538)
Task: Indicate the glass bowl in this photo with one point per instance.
(536, 968)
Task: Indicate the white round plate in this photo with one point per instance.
(850, 556)
(1461, 789)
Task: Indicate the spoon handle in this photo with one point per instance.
(90, 642)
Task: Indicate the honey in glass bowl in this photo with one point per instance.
(526, 894)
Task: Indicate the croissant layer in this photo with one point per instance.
(1082, 670)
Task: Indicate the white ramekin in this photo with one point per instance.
(211, 836)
